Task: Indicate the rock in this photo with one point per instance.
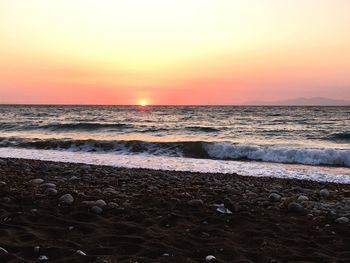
(112, 205)
(342, 220)
(3, 251)
(96, 209)
(51, 191)
(43, 258)
(48, 185)
(110, 191)
(195, 202)
(81, 253)
(274, 197)
(324, 193)
(230, 205)
(210, 258)
(2, 183)
(100, 203)
(37, 181)
(66, 199)
(73, 178)
(303, 198)
(36, 249)
(296, 208)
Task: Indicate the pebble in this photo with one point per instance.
(51, 191)
(2, 183)
(96, 209)
(43, 257)
(66, 199)
(73, 178)
(324, 193)
(210, 258)
(3, 251)
(195, 202)
(81, 253)
(112, 205)
(295, 208)
(37, 181)
(342, 220)
(274, 197)
(48, 185)
(303, 198)
(100, 203)
(36, 249)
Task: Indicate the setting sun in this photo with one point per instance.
(143, 103)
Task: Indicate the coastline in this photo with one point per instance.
(167, 216)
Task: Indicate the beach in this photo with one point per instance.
(64, 212)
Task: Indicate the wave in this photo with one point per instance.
(343, 136)
(80, 126)
(192, 149)
(202, 129)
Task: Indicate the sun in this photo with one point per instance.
(143, 103)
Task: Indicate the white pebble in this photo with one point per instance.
(3, 250)
(209, 258)
(81, 253)
(43, 257)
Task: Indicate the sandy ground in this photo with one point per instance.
(136, 215)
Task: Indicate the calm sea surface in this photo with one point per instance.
(296, 135)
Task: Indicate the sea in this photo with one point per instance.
(309, 143)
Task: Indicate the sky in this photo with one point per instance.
(173, 51)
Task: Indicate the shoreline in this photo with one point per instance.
(166, 216)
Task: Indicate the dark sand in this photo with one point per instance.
(152, 220)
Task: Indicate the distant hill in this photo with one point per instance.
(314, 101)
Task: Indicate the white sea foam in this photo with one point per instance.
(313, 156)
(258, 169)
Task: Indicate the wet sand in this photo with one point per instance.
(161, 216)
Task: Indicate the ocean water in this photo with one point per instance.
(309, 140)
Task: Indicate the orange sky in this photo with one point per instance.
(173, 52)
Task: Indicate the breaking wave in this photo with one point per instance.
(192, 149)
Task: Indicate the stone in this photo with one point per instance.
(100, 203)
(48, 185)
(2, 183)
(81, 253)
(96, 209)
(296, 208)
(210, 258)
(51, 191)
(274, 197)
(36, 249)
(73, 178)
(303, 198)
(66, 199)
(37, 181)
(43, 258)
(112, 205)
(324, 193)
(3, 251)
(342, 220)
(195, 202)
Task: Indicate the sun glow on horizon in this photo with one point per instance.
(143, 103)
